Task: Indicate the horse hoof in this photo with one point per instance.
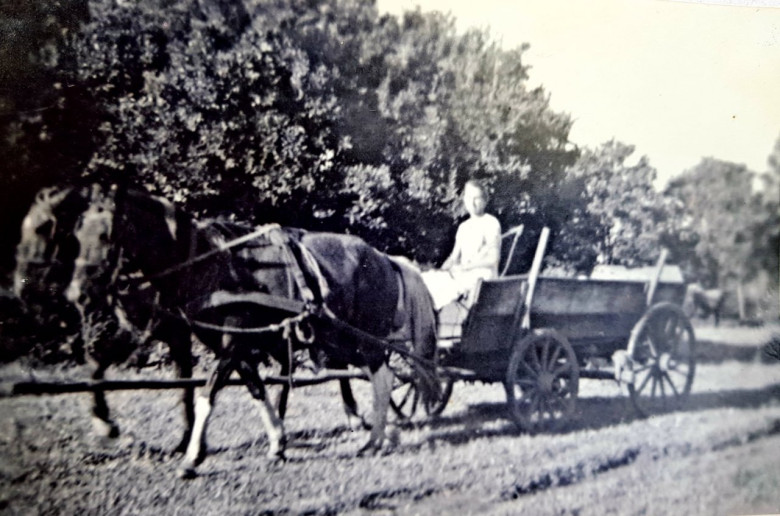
(186, 472)
(277, 456)
(105, 429)
(278, 460)
(371, 449)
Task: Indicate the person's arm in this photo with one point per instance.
(453, 260)
(490, 254)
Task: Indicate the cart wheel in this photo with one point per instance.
(542, 381)
(404, 398)
(436, 408)
(661, 348)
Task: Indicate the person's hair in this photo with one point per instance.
(476, 183)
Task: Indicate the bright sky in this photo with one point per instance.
(679, 80)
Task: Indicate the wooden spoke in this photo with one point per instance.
(561, 369)
(545, 354)
(544, 368)
(556, 354)
(671, 383)
(643, 367)
(533, 372)
(404, 400)
(648, 376)
(536, 364)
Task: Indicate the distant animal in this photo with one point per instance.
(360, 289)
(706, 302)
(45, 261)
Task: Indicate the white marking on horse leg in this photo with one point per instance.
(103, 428)
(198, 437)
(274, 428)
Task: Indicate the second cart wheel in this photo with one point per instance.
(404, 398)
(661, 349)
(437, 407)
(542, 381)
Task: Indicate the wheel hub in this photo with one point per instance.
(546, 382)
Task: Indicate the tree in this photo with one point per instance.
(723, 212)
(320, 114)
(610, 212)
(43, 128)
(766, 236)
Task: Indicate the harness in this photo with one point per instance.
(313, 304)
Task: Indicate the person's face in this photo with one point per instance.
(474, 200)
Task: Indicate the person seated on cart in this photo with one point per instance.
(475, 255)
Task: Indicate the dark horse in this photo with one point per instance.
(706, 302)
(45, 261)
(270, 281)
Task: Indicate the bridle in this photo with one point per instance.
(104, 257)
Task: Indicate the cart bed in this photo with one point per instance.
(596, 316)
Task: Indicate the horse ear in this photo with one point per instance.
(51, 195)
(119, 192)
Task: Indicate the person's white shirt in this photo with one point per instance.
(478, 241)
(474, 257)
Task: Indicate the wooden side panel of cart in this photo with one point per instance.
(596, 316)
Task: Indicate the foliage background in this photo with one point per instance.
(326, 115)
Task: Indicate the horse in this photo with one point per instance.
(45, 261)
(336, 288)
(706, 301)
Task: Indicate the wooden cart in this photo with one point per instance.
(539, 335)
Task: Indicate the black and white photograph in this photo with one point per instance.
(424, 257)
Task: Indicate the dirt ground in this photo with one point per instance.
(720, 455)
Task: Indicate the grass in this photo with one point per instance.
(719, 456)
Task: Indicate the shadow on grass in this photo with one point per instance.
(711, 352)
(492, 420)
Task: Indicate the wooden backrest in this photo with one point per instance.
(493, 317)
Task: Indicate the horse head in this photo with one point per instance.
(108, 333)
(96, 263)
(47, 249)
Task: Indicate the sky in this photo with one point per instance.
(678, 80)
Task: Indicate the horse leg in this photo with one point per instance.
(196, 450)
(181, 353)
(273, 425)
(101, 419)
(382, 383)
(350, 405)
(284, 392)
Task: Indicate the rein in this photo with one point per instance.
(208, 254)
(313, 305)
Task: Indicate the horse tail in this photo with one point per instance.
(420, 318)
